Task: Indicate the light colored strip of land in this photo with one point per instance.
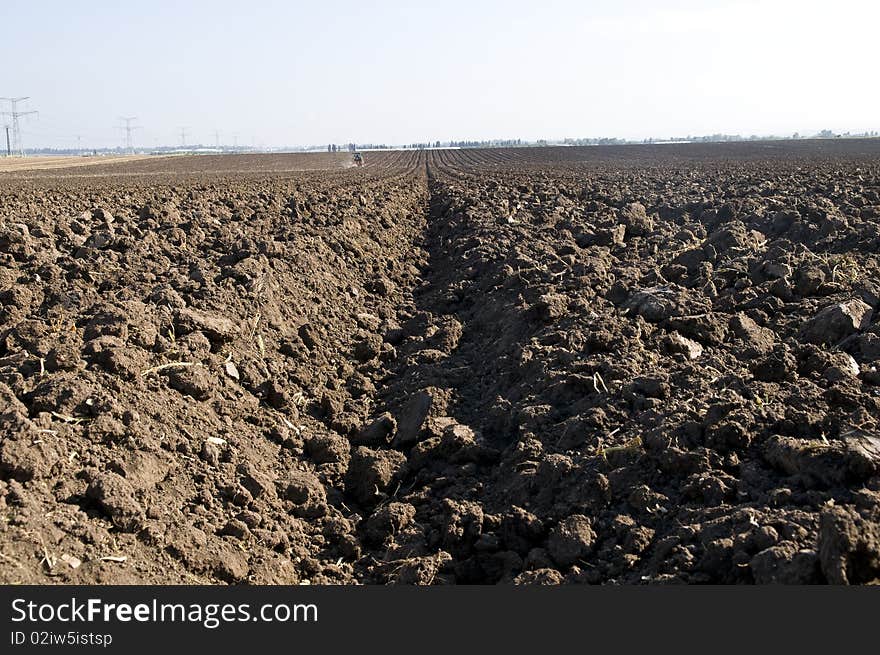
(11, 164)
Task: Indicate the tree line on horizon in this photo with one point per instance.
(489, 143)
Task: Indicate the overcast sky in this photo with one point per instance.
(277, 72)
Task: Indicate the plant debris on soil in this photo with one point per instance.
(628, 365)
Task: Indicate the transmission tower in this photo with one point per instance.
(217, 139)
(183, 137)
(129, 128)
(16, 128)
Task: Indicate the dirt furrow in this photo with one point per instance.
(577, 401)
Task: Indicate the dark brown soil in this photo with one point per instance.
(601, 365)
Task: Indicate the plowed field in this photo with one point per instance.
(624, 365)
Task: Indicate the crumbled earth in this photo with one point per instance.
(531, 366)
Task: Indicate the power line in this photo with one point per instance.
(16, 128)
(49, 129)
(129, 128)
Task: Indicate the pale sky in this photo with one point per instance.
(277, 72)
